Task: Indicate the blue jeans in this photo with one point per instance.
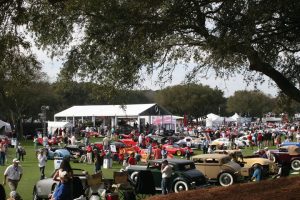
(166, 185)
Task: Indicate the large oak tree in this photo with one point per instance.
(118, 40)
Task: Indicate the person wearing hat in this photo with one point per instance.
(13, 175)
(166, 173)
(63, 190)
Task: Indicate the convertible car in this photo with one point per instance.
(44, 187)
(288, 155)
(184, 176)
(247, 162)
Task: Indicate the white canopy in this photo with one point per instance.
(236, 117)
(6, 125)
(52, 126)
(113, 110)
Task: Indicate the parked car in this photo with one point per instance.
(218, 168)
(290, 144)
(226, 142)
(62, 153)
(175, 149)
(44, 187)
(52, 141)
(247, 162)
(184, 176)
(242, 139)
(288, 155)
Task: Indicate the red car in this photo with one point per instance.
(288, 155)
(52, 141)
(128, 142)
(175, 149)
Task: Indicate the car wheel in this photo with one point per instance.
(295, 165)
(178, 153)
(35, 195)
(225, 179)
(134, 177)
(180, 186)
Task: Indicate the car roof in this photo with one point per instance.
(173, 161)
(214, 155)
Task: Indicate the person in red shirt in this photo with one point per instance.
(131, 160)
(157, 153)
(249, 137)
(259, 140)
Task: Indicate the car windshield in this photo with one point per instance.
(175, 146)
(186, 166)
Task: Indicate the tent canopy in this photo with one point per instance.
(113, 110)
(52, 126)
(6, 126)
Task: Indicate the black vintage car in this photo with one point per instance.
(184, 176)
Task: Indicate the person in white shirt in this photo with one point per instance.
(13, 175)
(42, 158)
(106, 143)
(166, 173)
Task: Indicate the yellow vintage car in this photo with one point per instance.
(218, 168)
(247, 162)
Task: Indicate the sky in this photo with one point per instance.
(228, 86)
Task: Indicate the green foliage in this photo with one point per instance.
(193, 99)
(250, 103)
(118, 40)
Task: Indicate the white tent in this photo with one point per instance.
(213, 120)
(6, 125)
(236, 117)
(52, 126)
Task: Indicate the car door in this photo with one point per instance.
(212, 167)
(155, 168)
(200, 165)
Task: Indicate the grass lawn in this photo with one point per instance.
(31, 172)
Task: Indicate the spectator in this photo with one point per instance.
(35, 142)
(166, 172)
(132, 160)
(187, 154)
(164, 153)
(98, 162)
(205, 146)
(257, 173)
(149, 151)
(42, 159)
(2, 153)
(63, 190)
(13, 175)
(21, 152)
(45, 140)
(157, 153)
(106, 143)
(89, 151)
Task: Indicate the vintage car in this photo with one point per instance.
(288, 155)
(191, 142)
(175, 149)
(247, 162)
(58, 152)
(44, 187)
(184, 176)
(128, 142)
(242, 139)
(290, 144)
(225, 142)
(218, 168)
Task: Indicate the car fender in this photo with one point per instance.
(181, 179)
(295, 158)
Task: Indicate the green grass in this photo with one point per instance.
(31, 172)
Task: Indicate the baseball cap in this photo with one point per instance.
(15, 160)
